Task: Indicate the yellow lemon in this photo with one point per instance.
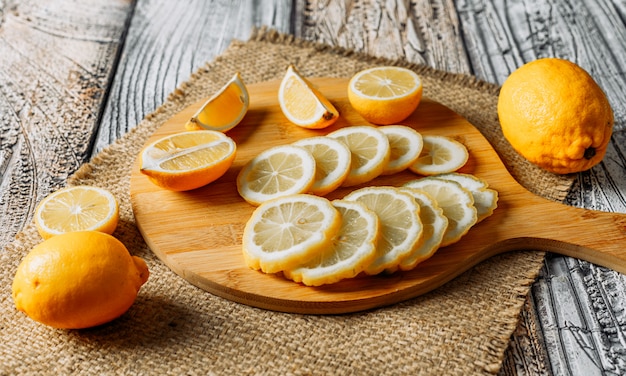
(78, 280)
(555, 115)
(188, 160)
(287, 231)
(303, 104)
(224, 110)
(79, 208)
(385, 95)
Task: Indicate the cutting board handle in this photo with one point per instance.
(591, 235)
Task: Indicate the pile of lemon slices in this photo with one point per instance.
(371, 230)
(316, 241)
(346, 157)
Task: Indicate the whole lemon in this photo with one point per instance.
(78, 280)
(555, 115)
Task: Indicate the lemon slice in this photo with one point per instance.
(369, 149)
(435, 224)
(457, 204)
(401, 227)
(440, 155)
(80, 208)
(332, 161)
(278, 171)
(188, 160)
(485, 199)
(406, 145)
(385, 95)
(304, 105)
(353, 248)
(224, 110)
(285, 232)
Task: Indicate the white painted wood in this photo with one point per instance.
(169, 40)
(56, 59)
(63, 90)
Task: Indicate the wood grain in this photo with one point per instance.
(56, 59)
(487, 38)
(210, 255)
(497, 37)
(169, 40)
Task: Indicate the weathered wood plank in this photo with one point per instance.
(424, 32)
(497, 37)
(56, 58)
(167, 41)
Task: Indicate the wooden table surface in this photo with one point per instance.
(77, 75)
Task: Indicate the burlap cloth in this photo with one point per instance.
(175, 328)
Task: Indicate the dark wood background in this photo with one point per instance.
(77, 75)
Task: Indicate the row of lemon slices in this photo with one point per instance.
(346, 157)
(315, 241)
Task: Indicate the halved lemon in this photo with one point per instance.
(485, 199)
(440, 155)
(303, 104)
(332, 161)
(288, 231)
(406, 145)
(435, 224)
(369, 149)
(278, 171)
(401, 227)
(188, 160)
(352, 249)
(385, 95)
(224, 110)
(79, 208)
(457, 204)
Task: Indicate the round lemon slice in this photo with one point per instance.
(401, 227)
(406, 145)
(485, 199)
(278, 171)
(79, 208)
(457, 204)
(440, 155)
(288, 231)
(435, 225)
(303, 104)
(352, 249)
(224, 110)
(369, 149)
(188, 160)
(385, 95)
(332, 161)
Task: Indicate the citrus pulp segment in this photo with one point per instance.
(352, 249)
(385, 95)
(406, 145)
(435, 224)
(400, 224)
(188, 160)
(224, 110)
(287, 231)
(303, 104)
(278, 171)
(369, 149)
(332, 161)
(78, 208)
(485, 199)
(457, 204)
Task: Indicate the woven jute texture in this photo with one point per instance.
(462, 328)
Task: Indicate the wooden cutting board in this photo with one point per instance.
(198, 233)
